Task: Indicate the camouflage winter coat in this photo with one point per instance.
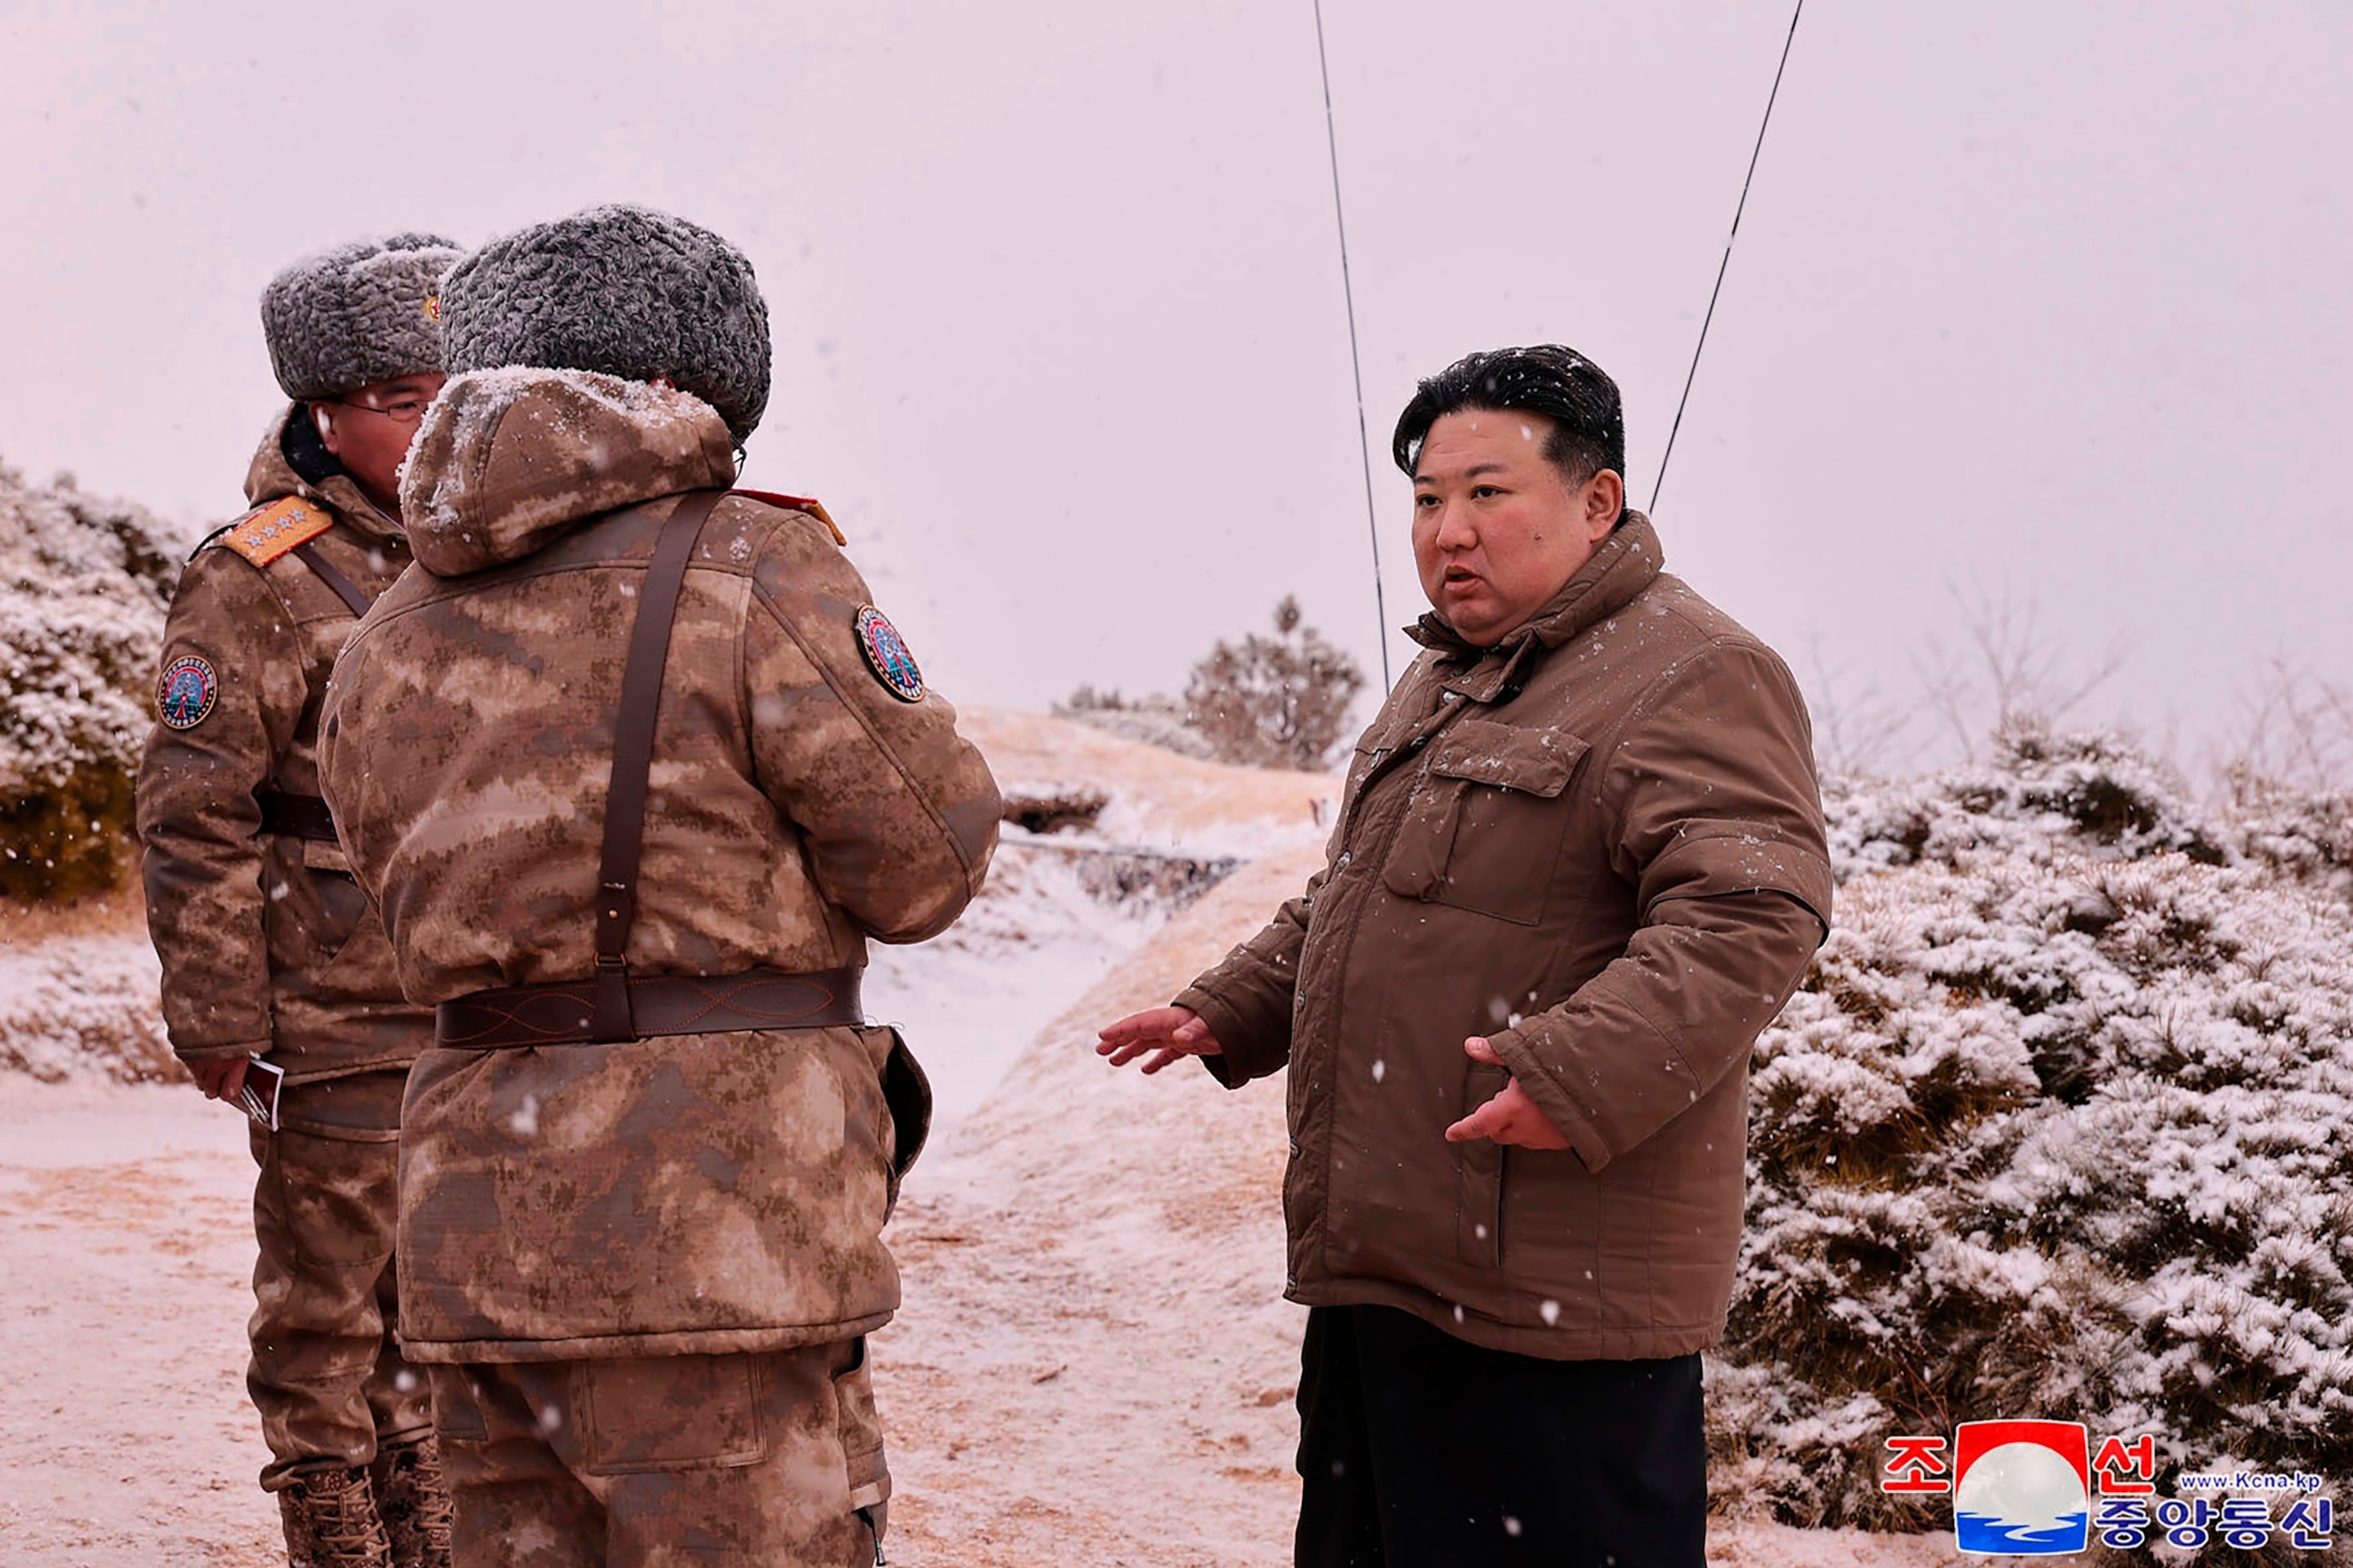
(267, 944)
(682, 1195)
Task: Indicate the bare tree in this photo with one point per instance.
(1856, 733)
(1274, 702)
(2295, 729)
(2014, 671)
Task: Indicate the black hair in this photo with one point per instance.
(1588, 426)
(305, 450)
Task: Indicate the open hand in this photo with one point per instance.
(1163, 1034)
(1510, 1118)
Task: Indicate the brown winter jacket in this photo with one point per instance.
(684, 1194)
(267, 944)
(1600, 844)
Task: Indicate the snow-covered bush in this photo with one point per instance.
(1284, 701)
(1156, 719)
(83, 587)
(2060, 1126)
(1274, 702)
(83, 1007)
(2309, 835)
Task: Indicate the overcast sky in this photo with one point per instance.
(2041, 300)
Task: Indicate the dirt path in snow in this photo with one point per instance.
(126, 1244)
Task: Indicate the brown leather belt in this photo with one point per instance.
(295, 815)
(564, 1013)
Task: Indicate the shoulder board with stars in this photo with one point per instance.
(809, 503)
(264, 536)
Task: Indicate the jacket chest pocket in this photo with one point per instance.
(1483, 825)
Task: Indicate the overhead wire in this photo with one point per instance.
(1348, 295)
(1355, 360)
(1724, 266)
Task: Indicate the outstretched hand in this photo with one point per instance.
(1161, 1035)
(1510, 1118)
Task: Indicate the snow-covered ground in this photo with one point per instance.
(1094, 1365)
(126, 1244)
(971, 998)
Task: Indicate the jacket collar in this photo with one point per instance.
(1624, 564)
(273, 476)
(508, 461)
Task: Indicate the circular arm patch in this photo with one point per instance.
(887, 655)
(185, 695)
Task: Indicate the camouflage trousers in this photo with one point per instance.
(326, 1375)
(771, 1459)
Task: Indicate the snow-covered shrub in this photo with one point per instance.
(1156, 719)
(83, 1007)
(83, 587)
(2307, 833)
(1283, 701)
(2060, 1126)
(1274, 702)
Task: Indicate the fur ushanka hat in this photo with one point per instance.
(356, 315)
(622, 289)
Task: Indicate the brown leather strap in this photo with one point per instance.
(633, 758)
(293, 816)
(327, 573)
(564, 1013)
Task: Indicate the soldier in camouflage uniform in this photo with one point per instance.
(646, 1167)
(267, 944)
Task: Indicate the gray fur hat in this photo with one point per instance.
(622, 289)
(358, 314)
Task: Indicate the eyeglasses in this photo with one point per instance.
(400, 411)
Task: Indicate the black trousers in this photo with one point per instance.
(1421, 1451)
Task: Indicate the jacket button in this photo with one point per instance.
(1346, 856)
(1295, 1147)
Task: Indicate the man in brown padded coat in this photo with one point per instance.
(1578, 866)
(268, 948)
(635, 770)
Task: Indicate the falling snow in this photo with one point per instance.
(2061, 1106)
